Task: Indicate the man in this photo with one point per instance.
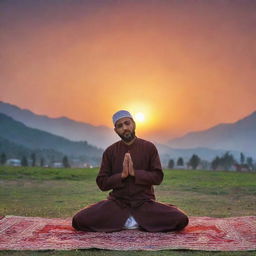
(130, 168)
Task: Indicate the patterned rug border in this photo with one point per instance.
(202, 234)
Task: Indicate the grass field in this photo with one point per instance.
(62, 192)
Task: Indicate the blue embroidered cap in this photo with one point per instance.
(121, 114)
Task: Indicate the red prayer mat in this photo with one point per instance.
(202, 233)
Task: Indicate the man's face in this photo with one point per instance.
(125, 128)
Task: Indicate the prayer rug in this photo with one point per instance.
(202, 233)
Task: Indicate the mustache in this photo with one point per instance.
(127, 136)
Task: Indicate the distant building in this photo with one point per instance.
(179, 167)
(13, 162)
(86, 165)
(57, 165)
(242, 168)
(76, 163)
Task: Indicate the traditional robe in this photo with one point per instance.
(132, 196)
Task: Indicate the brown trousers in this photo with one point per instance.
(109, 216)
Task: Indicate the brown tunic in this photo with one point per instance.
(148, 172)
(131, 196)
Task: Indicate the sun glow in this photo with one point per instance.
(139, 117)
(144, 114)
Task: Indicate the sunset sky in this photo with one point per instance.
(186, 65)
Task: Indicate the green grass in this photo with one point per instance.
(62, 192)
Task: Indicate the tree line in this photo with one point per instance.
(224, 162)
(33, 161)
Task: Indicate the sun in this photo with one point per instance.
(139, 117)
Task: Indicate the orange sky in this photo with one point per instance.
(187, 65)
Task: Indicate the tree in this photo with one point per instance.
(3, 159)
(24, 161)
(42, 162)
(33, 158)
(215, 163)
(180, 161)
(171, 164)
(249, 162)
(227, 160)
(65, 162)
(194, 161)
(242, 158)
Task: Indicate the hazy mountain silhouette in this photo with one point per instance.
(100, 136)
(30, 138)
(238, 136)
(14, 150)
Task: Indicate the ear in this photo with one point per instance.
(115, 129)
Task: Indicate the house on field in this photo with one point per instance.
(13, 162)
(242, 168)
(86, 165)
(57, 165)
(179, 167)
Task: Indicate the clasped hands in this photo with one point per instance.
(127, 166)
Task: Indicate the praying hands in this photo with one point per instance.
(127, 166)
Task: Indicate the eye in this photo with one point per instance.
(127, 122)
(119, 125)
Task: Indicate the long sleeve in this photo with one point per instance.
(154, 175)
(106, 180)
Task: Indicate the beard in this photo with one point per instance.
(127, 136)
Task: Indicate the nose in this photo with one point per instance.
(125, 126)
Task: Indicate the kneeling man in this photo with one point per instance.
(129, 168)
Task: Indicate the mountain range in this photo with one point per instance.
(99, 136)
(17, 135)
(233, 137)
(239, 136)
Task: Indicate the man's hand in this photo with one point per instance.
(125, 171)
(130, 165)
